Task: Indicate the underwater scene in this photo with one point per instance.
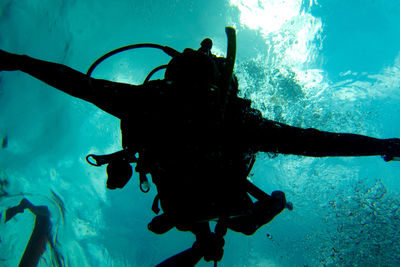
(323, 64)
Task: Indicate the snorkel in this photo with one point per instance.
(228, 70)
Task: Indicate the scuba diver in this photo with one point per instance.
(41, 234)
(198, 140)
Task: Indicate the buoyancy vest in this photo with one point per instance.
(194, 88)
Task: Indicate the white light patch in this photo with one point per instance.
(289, 30)
(291, 35)
(300, 46)
(266, 15)
(124, 71)
(83, 229)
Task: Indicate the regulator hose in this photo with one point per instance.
(168, 50)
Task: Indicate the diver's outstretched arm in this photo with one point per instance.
(285, 139)
(109, 96)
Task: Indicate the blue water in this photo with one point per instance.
(331, 65)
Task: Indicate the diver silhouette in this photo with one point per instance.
(41, 233)
(198, 140)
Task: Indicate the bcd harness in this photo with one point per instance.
(119, 170)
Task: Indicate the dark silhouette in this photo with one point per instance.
(41, 234)
(198, 141)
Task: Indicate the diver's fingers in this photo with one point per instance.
(392, 150)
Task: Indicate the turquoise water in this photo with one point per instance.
(330, 65)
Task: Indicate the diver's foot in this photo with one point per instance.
(211, 246)
(280, 200)
(280, 196)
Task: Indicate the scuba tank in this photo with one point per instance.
(181, 68)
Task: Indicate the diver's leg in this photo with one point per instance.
(262, 212)
(209, 244)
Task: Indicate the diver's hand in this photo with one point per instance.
(393, 150)
(8, 61)
(390, 158)
(11, 212)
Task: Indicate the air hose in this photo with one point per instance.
(168, 50)
(227, 74)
